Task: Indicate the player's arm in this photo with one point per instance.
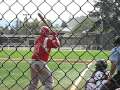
(36, 46)
(53, 42)
(113, 68)
(112, 71)
(45, 44)
(114, 60)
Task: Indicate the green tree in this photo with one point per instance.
(108, 12)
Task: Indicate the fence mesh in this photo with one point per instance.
(84, 39)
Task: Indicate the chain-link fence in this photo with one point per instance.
(86, 32)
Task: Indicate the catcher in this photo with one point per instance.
(39, 69)
(99, 77)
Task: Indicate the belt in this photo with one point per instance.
(40, 60)
(37, 60)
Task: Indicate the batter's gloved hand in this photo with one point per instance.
(55, 34)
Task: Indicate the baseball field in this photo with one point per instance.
(66, 65)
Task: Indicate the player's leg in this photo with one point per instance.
(34, 77)
(46, 77)
(49, 79)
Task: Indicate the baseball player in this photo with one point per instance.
(114, 80)
(99, 77)
(39, 69)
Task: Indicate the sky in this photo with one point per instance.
(52, 9)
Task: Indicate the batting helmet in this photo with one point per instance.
(44, 31)
(101, 65)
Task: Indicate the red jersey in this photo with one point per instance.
(43, 47)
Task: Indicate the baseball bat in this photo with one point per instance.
(42, 18)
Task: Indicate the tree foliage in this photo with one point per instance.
(25, 27)
(108, 11)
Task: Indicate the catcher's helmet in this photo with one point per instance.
(44, 31)
(101, 65)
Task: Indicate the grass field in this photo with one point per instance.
(15, 75)
(55, 54)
